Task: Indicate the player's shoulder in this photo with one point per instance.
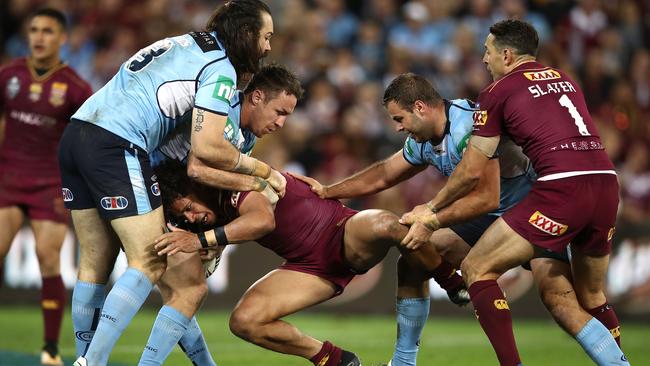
(460, 113)
(14, 65)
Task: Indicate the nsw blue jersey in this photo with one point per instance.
(177, 144)
(156, 89)
(447, 154)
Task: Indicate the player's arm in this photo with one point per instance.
(484, 198)
(468, 172)
(218, 178)
(212, 149)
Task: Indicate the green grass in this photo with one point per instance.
(445, 341)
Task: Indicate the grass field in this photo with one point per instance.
(445, 341)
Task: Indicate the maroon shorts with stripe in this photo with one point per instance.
(579, 210)
(39, 197)
(326, 259)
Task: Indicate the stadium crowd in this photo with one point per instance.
(346, 52)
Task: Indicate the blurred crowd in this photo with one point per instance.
(345, 53)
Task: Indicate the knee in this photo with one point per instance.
(386, 225)
(470, 271)
(48, 259)
(243, 323)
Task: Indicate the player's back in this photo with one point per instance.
(158, 87)
(544, 112)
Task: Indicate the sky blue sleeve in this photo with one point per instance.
(413, 152)
(217, 86)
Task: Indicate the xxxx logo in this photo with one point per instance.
(547, 225)
(542, 75)
(501, 304)
(480, 118)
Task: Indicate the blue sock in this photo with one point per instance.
(169, 327)
(600, 345)
(411, 316)
(122, 302)
(87, 301)
(194, 346)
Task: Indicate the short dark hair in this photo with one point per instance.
(520, 36)
(273, 79)
(238, 24)
(52, 13)
(405, 89)
(173, 182)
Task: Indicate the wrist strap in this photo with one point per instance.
(220, 234)
(431, 207)
(203, 240)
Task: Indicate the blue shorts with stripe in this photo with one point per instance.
(102, 170)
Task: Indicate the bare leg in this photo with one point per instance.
(12, 218)
(256, 317)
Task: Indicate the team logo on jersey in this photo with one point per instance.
(13, 87)
(225, 89)
(35, 91)
(547, 225)
(480, 118)
(114, 203)
(234, 199)
(549, 74)
(57, 94)
(610, 233)
(501, 304)
(155, 189)
(67, 195)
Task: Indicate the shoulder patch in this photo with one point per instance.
(224, 89)
(205, 40)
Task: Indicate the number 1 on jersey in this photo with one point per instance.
(573, 111)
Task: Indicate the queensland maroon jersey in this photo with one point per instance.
(544, 112)
(303, 221)
(36, 110)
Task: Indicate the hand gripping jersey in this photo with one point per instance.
(545, 113)
(176, 145)
(156, 89)
(517, 175)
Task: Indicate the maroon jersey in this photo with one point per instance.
(544, 112)
(303, 222)
(36, 110)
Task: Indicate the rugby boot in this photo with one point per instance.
(459, 296)
(50, 360)
(81, 361)
(349, 359)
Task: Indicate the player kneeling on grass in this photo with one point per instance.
(325, 245)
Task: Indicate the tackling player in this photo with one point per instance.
(574, 199)
(39, 94)
(105, 167)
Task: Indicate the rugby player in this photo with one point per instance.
(325, 245)
(105, 167)
(574, 199)
(39, 94)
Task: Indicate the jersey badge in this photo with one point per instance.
(610, 233)
(13, 87)
(57, 94)
(67, 195)
(480, 118)
(155, 189)
(35, 91)
(234, 198)
(549, 74)
(547, 225)
(114, 203)
(225, 89)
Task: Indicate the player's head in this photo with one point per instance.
(46, 34)
(410, 100)
(509, 42)
(270, 97)
(244, 28)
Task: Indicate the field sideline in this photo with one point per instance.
(445, 341)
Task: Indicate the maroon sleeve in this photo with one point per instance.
(488, 119)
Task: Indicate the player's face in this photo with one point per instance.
(411, 122)
(493, 59)
(194, 211)
(267, 117)
(46, 36)
(266, 32)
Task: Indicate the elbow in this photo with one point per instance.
(267, 225)
(492, 202)
(194, 169)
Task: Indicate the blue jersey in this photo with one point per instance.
(517, 177)
(177, 144)
(156, 89)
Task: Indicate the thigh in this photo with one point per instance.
(284, 292)
(137, 235)
(499, 249)
(48, 234)
(450, 245)
(98, 245)
(12, 219)
(589, 277)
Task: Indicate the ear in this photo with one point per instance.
(257, 97)
(419, 108)
(509, 57)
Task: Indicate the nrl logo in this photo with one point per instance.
(547, 225)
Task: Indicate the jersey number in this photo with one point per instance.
(141, 59)
(573, 111)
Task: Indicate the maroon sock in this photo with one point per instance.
(52, 303)
(446, 276)
(329, 355)
(605, 314)
(494, 315)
